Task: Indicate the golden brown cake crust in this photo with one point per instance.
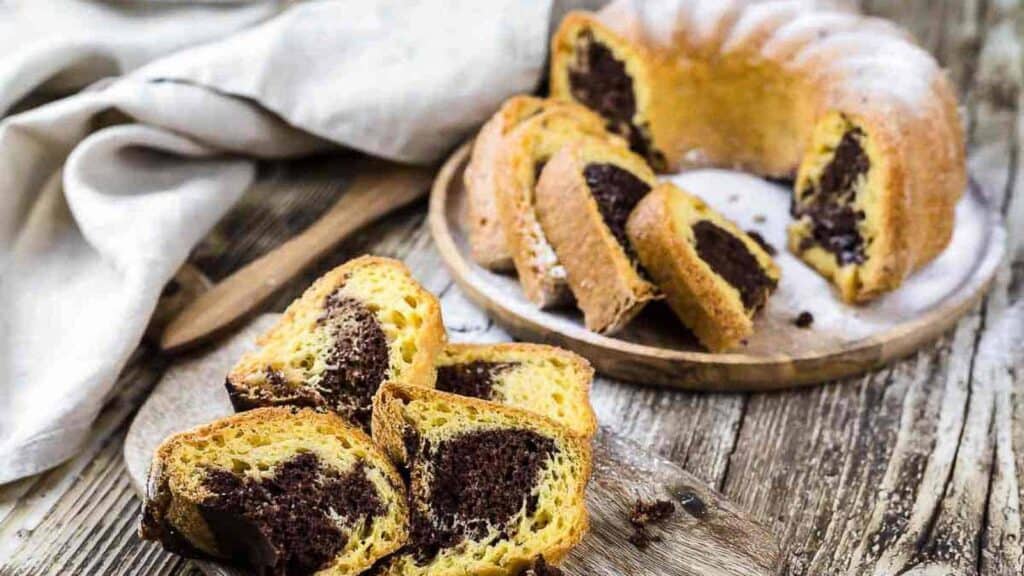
(294, 348)
(694, 70)
(705, 303)
(171, 516)
(389, 431)
(527, 148)
(487, 241)
(606, 284)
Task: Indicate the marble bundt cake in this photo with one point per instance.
(714, 276)
(490, 487)
(542, 379)
(486, 235)
(518, 166)
(585, 194)
(865, 119)
(360, 324)
(284, 491)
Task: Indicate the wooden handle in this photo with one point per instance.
(371, 195)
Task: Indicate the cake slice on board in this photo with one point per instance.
(490, 487)
(361, 324)
(279, 490)
(542, 379)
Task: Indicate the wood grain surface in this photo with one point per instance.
(707, 536)
(380, 188)
(917, 468)
(650, 351)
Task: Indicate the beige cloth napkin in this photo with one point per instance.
(96, 216)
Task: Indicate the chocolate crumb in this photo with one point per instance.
(542, 568)
(756, 237)
(692, 504)
(645, 514)
(804, 320)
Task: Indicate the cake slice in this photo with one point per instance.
(542, 379)
(714, 276)
(585, 195)
(518, 166)
(283, 491)
(487, 242)
(490, 487)
(360, 324)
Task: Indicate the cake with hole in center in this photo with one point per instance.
(360, 324)
(864, 119)
(542, 379)
(490, 487)
(283, 491)
(585, 195)
(714, 276)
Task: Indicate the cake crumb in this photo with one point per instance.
(756, 237)
(645, 514)
(542, 568)
(804, 319)
(760, 218)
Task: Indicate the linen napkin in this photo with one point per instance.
(104, 192)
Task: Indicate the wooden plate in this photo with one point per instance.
(654, 349)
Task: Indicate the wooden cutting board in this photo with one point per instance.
(706, 536)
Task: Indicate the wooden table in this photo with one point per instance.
(916, 468)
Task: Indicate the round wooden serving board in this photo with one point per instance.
(655, 349)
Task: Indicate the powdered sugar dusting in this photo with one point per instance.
(756, 18)
(755, 204)
(1003, 343)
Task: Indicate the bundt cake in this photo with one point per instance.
(585, 194)
(518, 166)
(714, 276)
(863, 118)
(486, 236)
(490, 487)
(284, 491)
(360, 324)
(542, 379)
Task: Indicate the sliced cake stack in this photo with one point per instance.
(549, 179)
(485, 474)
